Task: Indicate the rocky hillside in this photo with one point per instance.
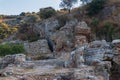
(108, 18)
(64, 46)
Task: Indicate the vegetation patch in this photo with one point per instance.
(95, 7)
(6, 30)
(7, 49)
(47, 12)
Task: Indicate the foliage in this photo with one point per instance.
(94, 23)
(23, 14)
(1, 16)
(47, 13)
(6, 30)
(109, 30)
(62, 20)
(6, 49)
(32, 18)
(26, 33)
(95, 6)
(67, 4)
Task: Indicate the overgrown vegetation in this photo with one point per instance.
(6, 30)
(33, 18)
(95, 7)
(7, 49)
(94, 24)
(26, 33)
(67, 4)
(63, 19)
(107, 30)
(47, 12)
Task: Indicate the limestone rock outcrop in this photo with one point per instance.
(16, 59)
(82, 34)
(38, 48)
(63, 39)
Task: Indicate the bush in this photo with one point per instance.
(27, 33)
(6, 30)
(32, 18)
(95, 6)
(6, 49)
(47, 13)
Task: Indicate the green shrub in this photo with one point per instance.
(47, 13)
(6, 49)
(32, 18)
(6, 30)
(95, 6)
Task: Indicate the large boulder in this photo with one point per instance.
(38, 49)
(63, 39)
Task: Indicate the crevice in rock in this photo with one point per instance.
(115, 71)
(50, 44)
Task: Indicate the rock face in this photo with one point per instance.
(63, 39)
(82, 34)
(46, 28)
(7, 71)
(116, 45)
(43, 64)
(65, 74)
(74, 56)
(38, 47)
(16, 59)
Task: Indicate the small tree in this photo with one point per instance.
(67, 4)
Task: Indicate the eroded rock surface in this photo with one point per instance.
(74, 57)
